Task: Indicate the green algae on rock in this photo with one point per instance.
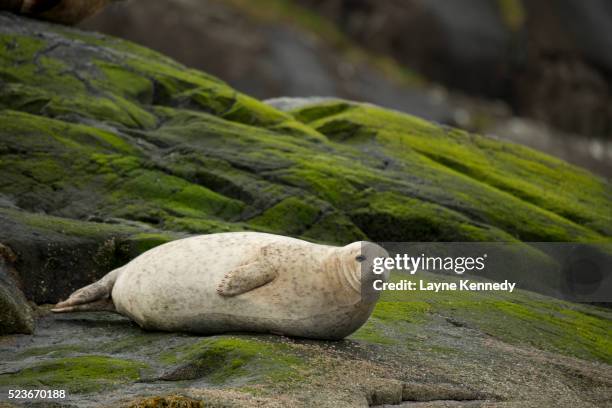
(421, 350)
(108, 149)
(93, 128)
(83, 374)
(119, 131)
(226, 360)
(57, 255)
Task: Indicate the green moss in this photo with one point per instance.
(145, 241)
(513, 13)
(291, 216)
(202, 226)
(334, 228)
(324, 182)
(372, 332)
(177, 195)
(379, 174)
(547, 325)
(66, 226)
(407, 311)
(518, 318)
(177, 86)
(76, 374)
(250, 111)
(527, 194)
(474, 156)
(391, 217)
(66, 95)
(322, 110)
(116, 164)
(115, 110)
(298, 129)
(234, 359)
(22, 48)
(27, 131)
(128, 84)
(23, 60)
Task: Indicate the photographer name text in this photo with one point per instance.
(462, 285)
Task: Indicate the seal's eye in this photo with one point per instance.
(360, 258)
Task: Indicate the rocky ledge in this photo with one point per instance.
(108, 149)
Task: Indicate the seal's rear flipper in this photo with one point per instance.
(97, 306)
(245, 278)
(96, 296)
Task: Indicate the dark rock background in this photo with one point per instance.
(550, 59)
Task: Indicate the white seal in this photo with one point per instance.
(242, 281)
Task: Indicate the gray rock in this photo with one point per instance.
(550, 60)
(16, 315)
(264, 59)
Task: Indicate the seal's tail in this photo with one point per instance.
(94, 297)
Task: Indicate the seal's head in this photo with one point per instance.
(357, 266)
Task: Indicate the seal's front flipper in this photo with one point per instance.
(245, 278)
(96, 296)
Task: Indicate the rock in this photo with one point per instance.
(104, 359)
(108, 148)
(464, 44)
(264, 52)
(57, 255)
(479, 46)
(383, 391)
(16, 316)
(442, 392)
(131, 149)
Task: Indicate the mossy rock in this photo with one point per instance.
(135, 135)
(56, 256)
(416, 347)
(227, 360)
(108, 149)
(16, 316)
(83, 374)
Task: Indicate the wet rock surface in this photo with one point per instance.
(102, 359)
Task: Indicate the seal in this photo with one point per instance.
(241, 281)
(58, 11)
